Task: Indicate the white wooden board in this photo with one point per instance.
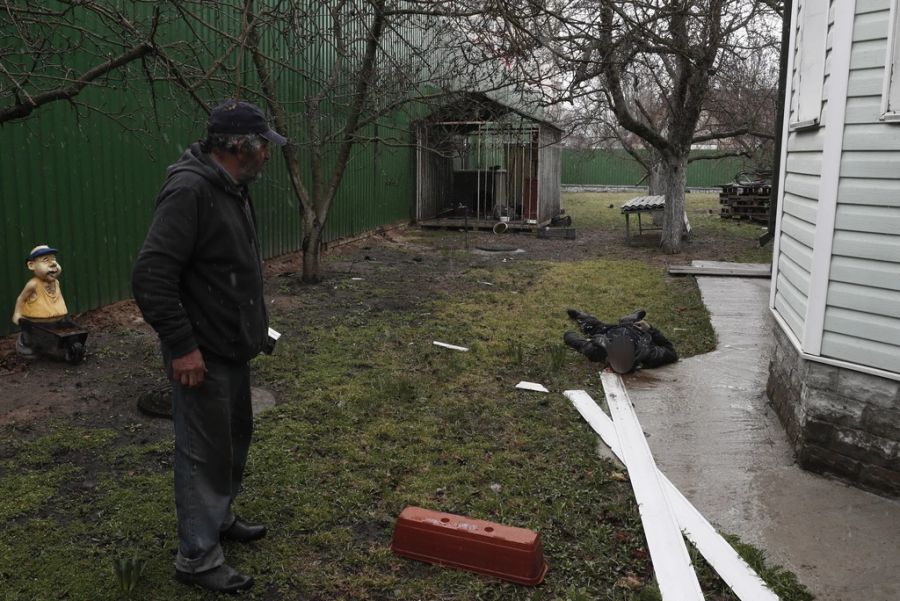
(745, 583)
(758, 270)
(668, 552)
(450, 346)
(532, 386)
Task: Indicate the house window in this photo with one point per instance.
(812, 24)
(890, 96)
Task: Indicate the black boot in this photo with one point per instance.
(221, 579)
(589, 324)
(636, 315)
(587, 347)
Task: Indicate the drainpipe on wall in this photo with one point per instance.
(779, 120)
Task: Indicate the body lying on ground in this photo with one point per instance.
(624, 346)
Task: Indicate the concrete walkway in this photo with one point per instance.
(714, 435)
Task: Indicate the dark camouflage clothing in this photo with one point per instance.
(646, 346)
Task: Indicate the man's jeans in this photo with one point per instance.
(213, 427)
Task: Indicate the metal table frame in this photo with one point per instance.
(638, 205)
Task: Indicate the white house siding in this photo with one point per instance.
(862, 311)
(803, 166)
(834, 376)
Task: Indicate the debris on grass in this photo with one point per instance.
(505, 552)
(452, 347)
(630, 581)
(534, 386)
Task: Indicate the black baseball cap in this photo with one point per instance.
(236, 117)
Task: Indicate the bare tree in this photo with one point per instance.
(84, 52)
(738, 117)
(53, 51)
(652, 65)
(329, 71)
(356, 61)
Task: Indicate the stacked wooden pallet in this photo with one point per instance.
(746, 198)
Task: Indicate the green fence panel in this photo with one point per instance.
(86, 185)
(618, 168)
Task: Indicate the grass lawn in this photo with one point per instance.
(371, 418)
(592, 210)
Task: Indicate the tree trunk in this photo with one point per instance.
(657, 184)
(311, 246)
(675, 179)
(657, 176)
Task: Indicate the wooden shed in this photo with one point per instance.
(480, 162)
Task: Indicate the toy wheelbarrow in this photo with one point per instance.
(57, 337)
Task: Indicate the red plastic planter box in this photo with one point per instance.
(507, 552)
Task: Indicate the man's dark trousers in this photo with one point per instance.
(213, 428)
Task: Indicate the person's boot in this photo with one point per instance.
(589, 324)
(587, 347)
(221, 579)
(634, 316)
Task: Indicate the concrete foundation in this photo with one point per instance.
(841, 422)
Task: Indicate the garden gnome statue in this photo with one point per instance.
(41, 299)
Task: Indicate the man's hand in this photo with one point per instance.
(189, 369)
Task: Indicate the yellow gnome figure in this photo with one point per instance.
(41, 298)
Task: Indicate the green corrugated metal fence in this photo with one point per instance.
(618, 168)
(85, 185)
(89, 191)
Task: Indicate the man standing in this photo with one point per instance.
(198, 281)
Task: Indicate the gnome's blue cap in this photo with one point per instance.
(40, 251)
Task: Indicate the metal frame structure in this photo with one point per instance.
(481, 172)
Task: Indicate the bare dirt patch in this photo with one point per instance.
(401, 268)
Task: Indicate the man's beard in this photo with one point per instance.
(250, 173)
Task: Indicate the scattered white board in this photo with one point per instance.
(745, 583)
(758, 270)
(532, 386)
(450, 346)
(668, 552)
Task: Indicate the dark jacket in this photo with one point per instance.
(198, 277)
(651, 347)
(648, 346)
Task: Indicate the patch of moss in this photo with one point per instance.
(61, 439)
(26, 490)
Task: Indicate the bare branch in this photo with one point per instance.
(23, 109)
